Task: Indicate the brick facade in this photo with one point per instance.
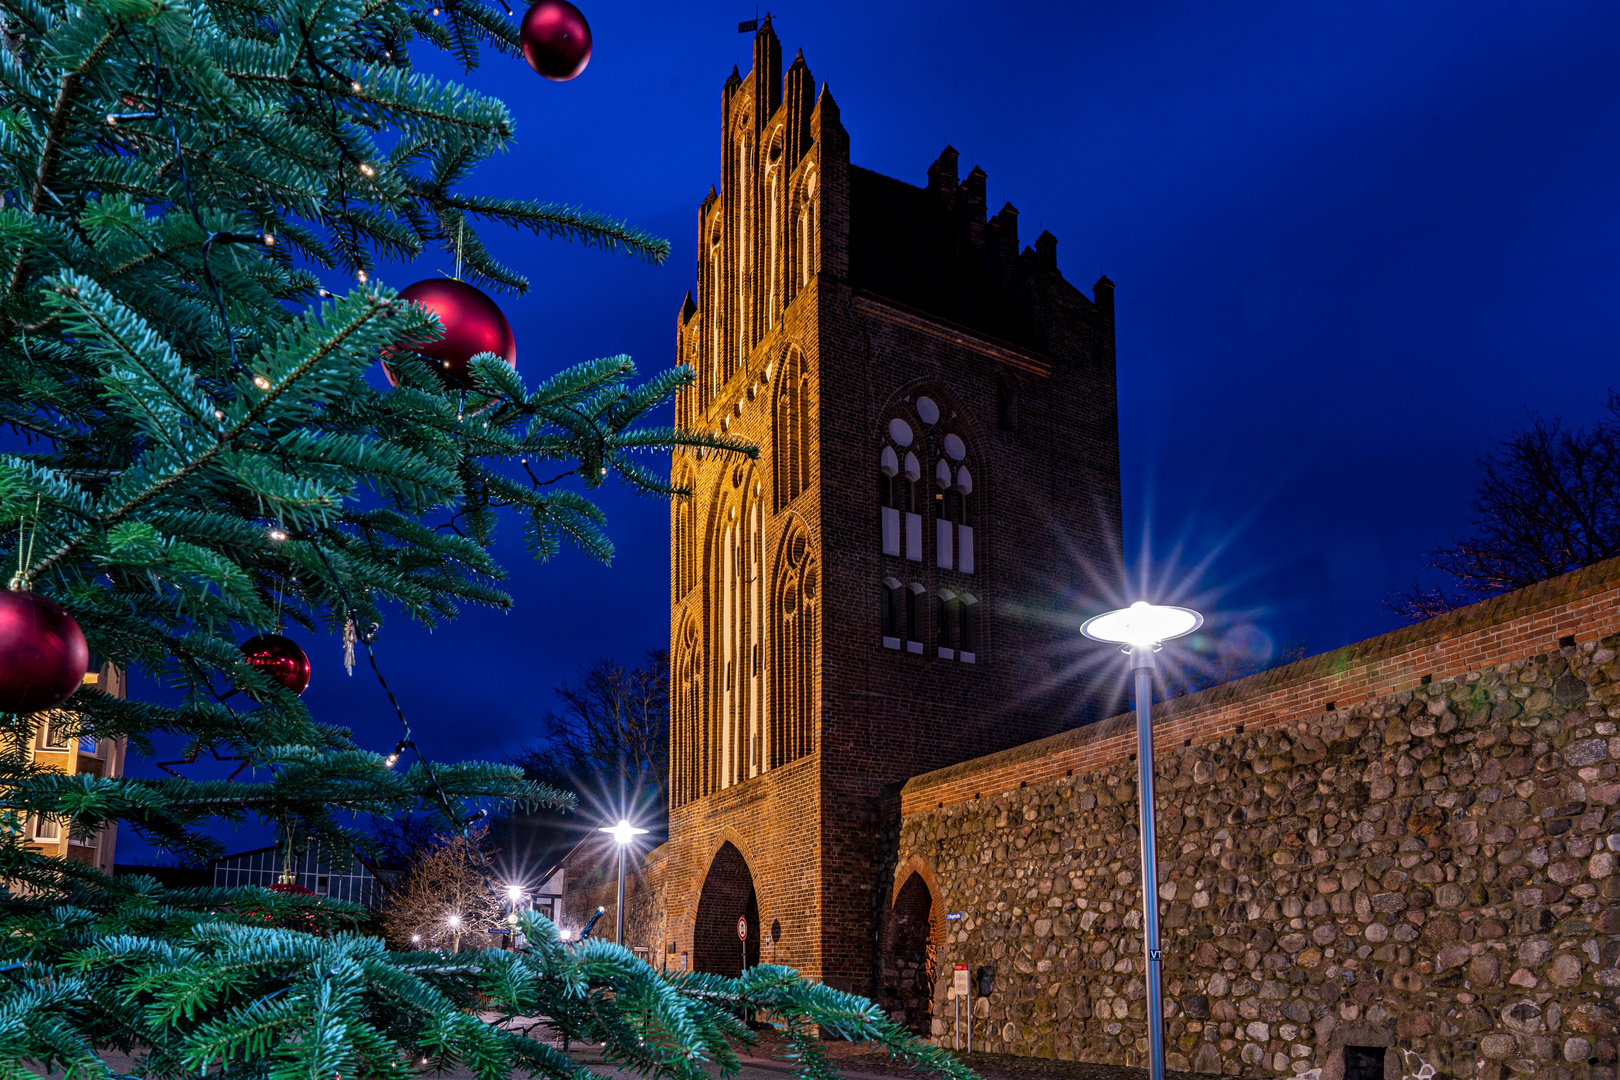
(865, 601)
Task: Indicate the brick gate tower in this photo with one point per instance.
(874, 597)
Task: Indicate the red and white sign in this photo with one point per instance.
(960, 980)
(742, 929)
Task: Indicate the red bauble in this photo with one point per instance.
(472, 322)
(556, 39)
(43, 656)
(293, 890)
(280, 659)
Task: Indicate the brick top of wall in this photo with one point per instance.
(1582, 604)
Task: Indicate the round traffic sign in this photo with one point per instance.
(742, 929)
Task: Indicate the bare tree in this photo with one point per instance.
(1548, 503)
(443, 902)
(612, 729)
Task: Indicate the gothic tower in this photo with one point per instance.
(874, 597)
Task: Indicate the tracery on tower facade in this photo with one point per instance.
(745, 578)
(928, 500)
(736, 626)
(796, 615)
(791, 431)
(687, 727)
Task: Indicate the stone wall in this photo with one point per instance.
(1431, 867)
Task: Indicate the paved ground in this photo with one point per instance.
(854, 1061)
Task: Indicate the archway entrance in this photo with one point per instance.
(910, 955)
(728, 894)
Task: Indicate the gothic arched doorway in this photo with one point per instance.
(910, 955)
(728, 894)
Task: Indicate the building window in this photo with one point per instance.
(945, 621)
(807, 232)
(796, 601)
(915, 606)
(55, 733)
(967, 629)
(791, 451)
(892, 601)
(47, 828)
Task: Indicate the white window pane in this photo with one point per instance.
(964, 544)
(942, 541)
(914, 537)
(891, 531)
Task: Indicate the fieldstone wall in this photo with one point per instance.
(1432, 869)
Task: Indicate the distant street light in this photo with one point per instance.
(1141, 629)
(622, 834)
(454, 923)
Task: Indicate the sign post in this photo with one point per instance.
(963, 988)
(742, 936)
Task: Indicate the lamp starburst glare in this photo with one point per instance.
(1142, 625)
(623, 832)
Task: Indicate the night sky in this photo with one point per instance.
(1354, 246)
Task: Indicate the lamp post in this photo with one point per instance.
(622, 834)
(1141, 629)
(514, 896)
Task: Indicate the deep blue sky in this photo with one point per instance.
(1355, 244)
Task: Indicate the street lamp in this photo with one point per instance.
(453, 921)
(1142, 628)
(622, 834)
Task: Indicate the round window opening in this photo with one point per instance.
(900, 431)
(928, 410)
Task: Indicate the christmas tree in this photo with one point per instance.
(199, 458)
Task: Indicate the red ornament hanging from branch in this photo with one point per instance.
(556, 39)
(43, 655)
(473, 324)
(279, 658)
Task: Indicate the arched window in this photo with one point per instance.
(892, 609)
(968, 629)
(945, 623)
(954, 527)
(807, 231)
(774, 245)
(737, 594)
(715, 290)
(684, 546)
(916, 612)
(900, 511)
(791, 453)
(686, 721)
(796, 599)
(745, 177)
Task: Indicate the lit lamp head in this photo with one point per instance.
(1141, 628)
(623, 832)
(514, 893)
(453, 921)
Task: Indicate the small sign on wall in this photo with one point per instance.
(960, 977)
(683, 961)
